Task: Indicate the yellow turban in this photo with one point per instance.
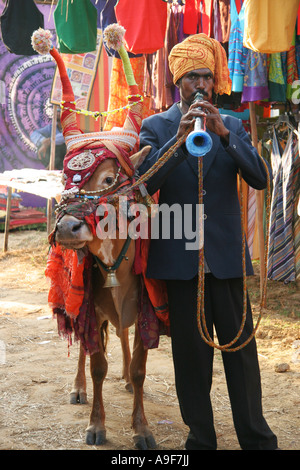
(201, 52)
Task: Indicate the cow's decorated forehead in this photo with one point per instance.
(80, 166)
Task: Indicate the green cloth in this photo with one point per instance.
(76, 26)
(277, 85)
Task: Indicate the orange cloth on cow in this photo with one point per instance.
(156, 288)
(200, 51)
(66, 280)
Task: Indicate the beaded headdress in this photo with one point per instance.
(85, 151)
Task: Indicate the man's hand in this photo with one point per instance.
(43, 148)
(213, 120)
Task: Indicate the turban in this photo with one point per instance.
(197, 52)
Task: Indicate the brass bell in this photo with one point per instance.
(111, 279)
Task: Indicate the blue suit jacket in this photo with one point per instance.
(177, 181)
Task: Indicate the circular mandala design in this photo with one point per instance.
(81, 161)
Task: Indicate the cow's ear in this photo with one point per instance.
(138, 158)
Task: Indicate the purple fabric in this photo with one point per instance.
(25, 88)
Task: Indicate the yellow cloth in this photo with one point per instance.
(198, 52)
(269, 25)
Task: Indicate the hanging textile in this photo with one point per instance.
(76, 26)
(251, 220)
(224, 9)
(270, 25)
(237, 53)
(281, 255)
(145, 24)
(296, 214)
(292, 73)
(197, 17)
(277, 85)
(18, 21)
(119, 91)
(216, 22)
(256, 77)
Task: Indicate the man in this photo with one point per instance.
(42, 139)
(199, 64)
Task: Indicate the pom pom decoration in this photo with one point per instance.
(113, 36)
(41, 41)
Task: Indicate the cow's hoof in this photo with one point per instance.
(144, 442)
(78, 397)
(129, 387)
(95, 438)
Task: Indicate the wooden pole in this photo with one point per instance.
(259, 201)
(7, 218)
(52, 164)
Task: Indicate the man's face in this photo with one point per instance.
(200, 80)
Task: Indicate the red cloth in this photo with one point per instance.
(197, 17)
(145, 23)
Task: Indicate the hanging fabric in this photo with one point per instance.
(296, 214)
(145, 24)
(119, 91)
(76, 26)
(237, 53)
(255, 78)
(20, 18)
(224, 9)
(197, 17)
(292, 72)
(270, 25)
(281, 255)
(277, 84)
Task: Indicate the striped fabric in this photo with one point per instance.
(296, 216)
(251, 219)
(281, 256)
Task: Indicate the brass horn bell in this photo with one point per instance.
(111, 279)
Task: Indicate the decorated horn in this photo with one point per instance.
(198, 142)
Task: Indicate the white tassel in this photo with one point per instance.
(41, 41)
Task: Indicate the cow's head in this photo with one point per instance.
(76, 216)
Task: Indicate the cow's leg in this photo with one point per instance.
(126, 358)
(96, 433)
(78, 393)
(143, 437)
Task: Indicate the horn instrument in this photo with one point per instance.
(198, 142)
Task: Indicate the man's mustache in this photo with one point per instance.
(203, 93)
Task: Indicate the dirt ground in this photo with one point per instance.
(36, 374)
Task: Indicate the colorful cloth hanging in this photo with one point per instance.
(224, 8)
(277, 85)
(256, 77)
(119, 91)
(18, 21)
(296, 215)
(270, 25)
(237, 53)
(145, 24)
(197, 16)
(76, 26)
(281, 255)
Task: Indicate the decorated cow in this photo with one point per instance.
(97, 279)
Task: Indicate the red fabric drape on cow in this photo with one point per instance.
(145, 23)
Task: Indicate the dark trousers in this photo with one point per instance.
(193, 363)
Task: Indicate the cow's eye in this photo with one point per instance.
(109, 179)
